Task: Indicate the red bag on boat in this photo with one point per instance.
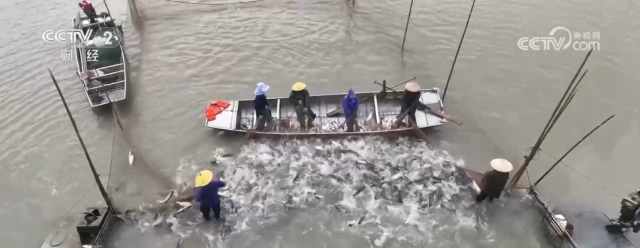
(221, 104)
(214, 109)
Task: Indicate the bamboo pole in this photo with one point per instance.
(455, 58)
(406, 28)
(574, 146)
(545, 131)
(96, 177)
(565, 104)
(107, 7)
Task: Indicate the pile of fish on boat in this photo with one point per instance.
(400, 182)
(331, 125)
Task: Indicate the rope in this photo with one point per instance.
(215, 4)
(581, 174)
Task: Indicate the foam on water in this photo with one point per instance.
(388, 191)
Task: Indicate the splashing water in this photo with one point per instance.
(390, 192)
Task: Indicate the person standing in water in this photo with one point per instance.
(495, 180)
(410, 98)
(299, 97)
(261, 106)
(350, 106)
(207, 194)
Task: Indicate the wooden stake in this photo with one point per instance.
(96, 177)
(545, 131)
(455, 58)
(406, 28)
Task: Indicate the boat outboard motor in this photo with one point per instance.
(629, 214)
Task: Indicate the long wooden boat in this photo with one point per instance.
(376, 115)
(101, 70)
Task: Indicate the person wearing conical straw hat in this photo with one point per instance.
(299, 97)
(410, 99)
(207, 194)
(495, 180)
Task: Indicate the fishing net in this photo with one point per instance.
(133, 9)
(133, 180)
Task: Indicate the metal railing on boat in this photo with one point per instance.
(559, 236)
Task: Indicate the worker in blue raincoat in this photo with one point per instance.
(261, 106)
(207, 194)
(350, 105)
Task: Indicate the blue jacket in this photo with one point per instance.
(260, 102)
(350, 103)
(208, 194)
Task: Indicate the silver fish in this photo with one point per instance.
(357, 221)
(186, 205)
(397, 176)
(359, 190)
(296, 177)
(167, 198)
(172, 205)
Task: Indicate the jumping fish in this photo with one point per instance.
(359, 190)
(357, 221)
(296, 177)
(399, 196)
(397, 176)
(185, 206)
(131, 157)
(337, 178)
(167, 198)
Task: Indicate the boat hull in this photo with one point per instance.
(105, 78)
(376, 115)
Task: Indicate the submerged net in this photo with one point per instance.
(363, 192)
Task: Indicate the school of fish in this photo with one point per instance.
(396, 190)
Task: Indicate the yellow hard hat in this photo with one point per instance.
(203, 178)
(298, 86)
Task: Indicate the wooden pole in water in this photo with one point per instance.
(107, 7)
(574, 146)
(545, 131)
(103, 192)
(455, 58)
(406, 28)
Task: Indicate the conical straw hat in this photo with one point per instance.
(412, 87)
(298, 86)
(203, 178)
(501, 165)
